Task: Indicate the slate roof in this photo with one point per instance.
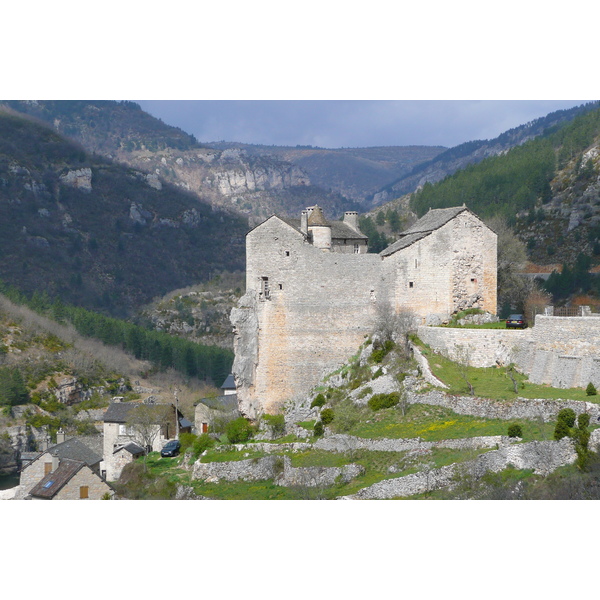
(316, 218)
(228, 402)
(52, 483)
(339, 229)
(183, 422)
(428, 223)
(130, 447)
(117, 412)
(73, 449)
(229, 383)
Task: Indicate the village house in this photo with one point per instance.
(71, 480)
(225, 407)
(314, 294)
(48, 461)
(122, 442)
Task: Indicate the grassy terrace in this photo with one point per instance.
(494, 382)
(377, 467)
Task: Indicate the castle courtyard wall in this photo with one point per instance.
(563, 352)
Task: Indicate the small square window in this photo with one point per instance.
(287, 252)
(410, 284)
(281, 286)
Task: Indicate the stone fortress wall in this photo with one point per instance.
(563, 352)
(309, 305)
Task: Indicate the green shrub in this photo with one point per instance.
(276, 424)
(201, 443)
(379, 401)
(382, 351)
(365, 392)
(515, 431)
(565, 420)
(319, 429)
(238, 431)
(568, 416)
(318, 401)
(590, 390)
(187, 440)
(583, 420)
(327, 416)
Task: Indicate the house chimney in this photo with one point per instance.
(351, 219)
(60, 436)
(55, 462)
(304, 222)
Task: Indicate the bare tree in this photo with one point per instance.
(395, 326)
(146, 422)
(463, 362)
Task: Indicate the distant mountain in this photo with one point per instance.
(255, 186)
(356, 173)
(100, 234)
(475, 151)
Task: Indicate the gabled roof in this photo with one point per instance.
(52, 483)
(428, 223)
(73, 449)
(229, 383)
(183, 422)
(130, 447)
(227, 403)
(117, 412)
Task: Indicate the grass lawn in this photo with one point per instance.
(434, 423)
(494, 382)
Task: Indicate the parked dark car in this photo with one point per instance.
(516, 322)
(171, 448)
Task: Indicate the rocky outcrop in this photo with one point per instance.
(80, 179)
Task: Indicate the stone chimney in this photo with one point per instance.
(304, 222)
(55, 462)
(351, 219)
(60, 436)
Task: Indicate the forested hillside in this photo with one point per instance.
(475, 151)
(98, 234)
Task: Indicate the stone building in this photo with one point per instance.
(122, 441)
(313, 293)
(47, 461)
(71, 480)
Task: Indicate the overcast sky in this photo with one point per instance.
(350, 123)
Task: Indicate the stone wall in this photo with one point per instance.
(542, 457)
(521, 408)
(482, 347)
(451, 269)
(84, 477)
(277, 468)
(320, 307)
(563, 352)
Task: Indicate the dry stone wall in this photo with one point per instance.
(563, 352)
(542, 457)
(521, 408)
(482, 347)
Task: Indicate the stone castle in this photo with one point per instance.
(313, 293)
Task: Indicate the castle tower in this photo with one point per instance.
(319, 228)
